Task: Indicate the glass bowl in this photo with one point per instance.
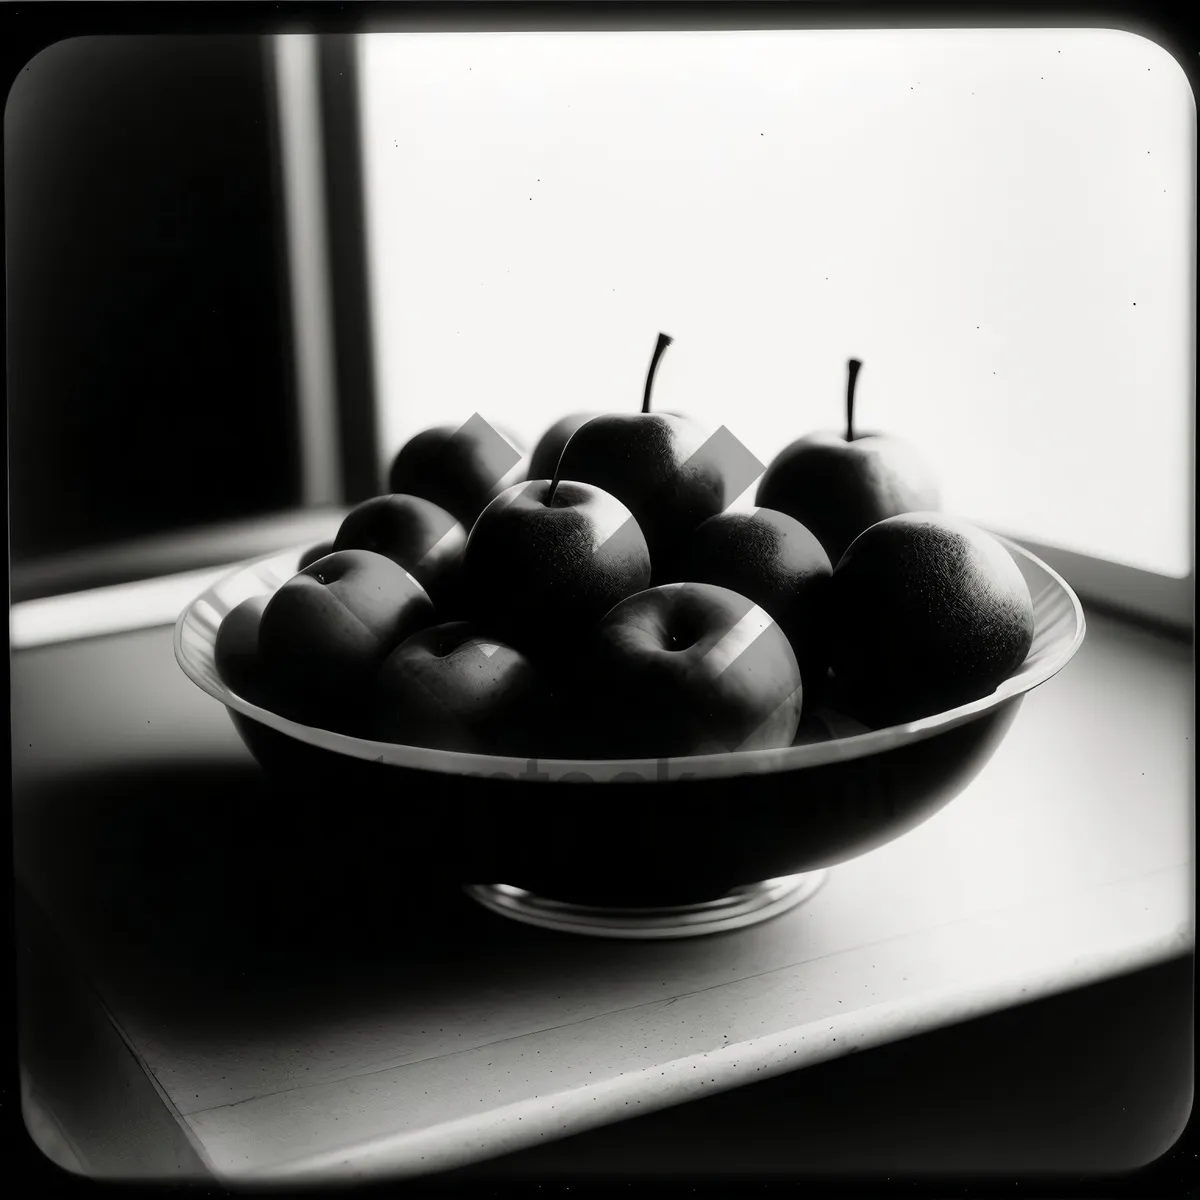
(636, 848)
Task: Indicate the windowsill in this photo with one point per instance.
(175, 553)
(1159, 602)
(148, 583)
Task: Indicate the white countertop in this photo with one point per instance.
(1068, 860)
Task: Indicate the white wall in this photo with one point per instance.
(998, 223)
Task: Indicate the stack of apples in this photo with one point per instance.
(600, 599)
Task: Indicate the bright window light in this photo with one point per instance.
(998, 223)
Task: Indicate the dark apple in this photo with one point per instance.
(689, 668)
(241, 666)
(325, 632)
(235, 652)
(451, 688)
(661, 466)
(547, 559)
(458, 469)
(926, 612)
(769, 558)
(543, 463)
(417, 535)
(837, 485)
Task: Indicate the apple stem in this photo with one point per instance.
(664, 340)
(852, 369)
(554, 482)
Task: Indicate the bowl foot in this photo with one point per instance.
(743, 906)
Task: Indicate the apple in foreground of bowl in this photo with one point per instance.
(240, 664)
(324, 633)
(451, 688)
(688, 668)
(235, 651)
(837, 485)
(926, 612)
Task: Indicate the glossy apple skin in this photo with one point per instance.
(544, 460)
(325, 632)
(451, 688)
(927, 612)
(688, 668)
(837, 488)
(460, 469)
(417, 535)
(772, 559)
(241, 665)
(541, 577)
(658, 466)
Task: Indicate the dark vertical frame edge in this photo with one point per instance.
(287, 324)
(341, 121)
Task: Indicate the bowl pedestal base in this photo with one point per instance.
(743, 906)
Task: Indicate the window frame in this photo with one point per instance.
(316, 112)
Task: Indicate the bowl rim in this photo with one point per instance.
(662, 769)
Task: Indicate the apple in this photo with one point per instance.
(326, 631)
(235, 652)
(543, 463)
(660, 466)
(311, 555)
(415, 534)
(547, 559)
(241, 666)
(838, 485)
(451, 688)
(769, 558)
(926, 612)
(458, 469)
(689, 668)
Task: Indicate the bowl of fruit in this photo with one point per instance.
(585, 688)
